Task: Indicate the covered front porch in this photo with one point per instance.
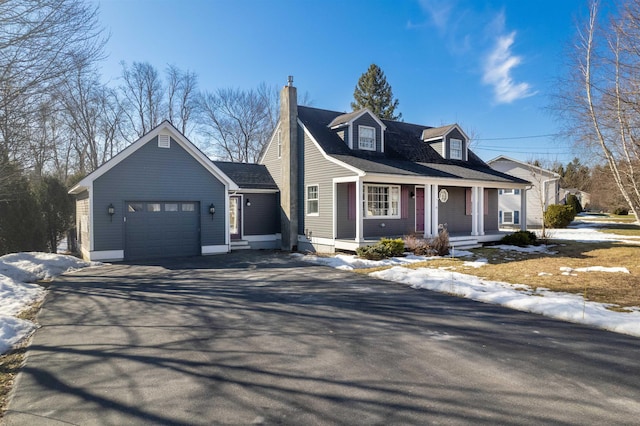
(368, 209)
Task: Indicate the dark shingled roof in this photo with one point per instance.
(405, 152)
(247, 176)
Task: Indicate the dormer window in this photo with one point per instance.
(367, 138)
(455, 149)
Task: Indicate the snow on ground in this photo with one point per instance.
(17, 271)
(563, 306)
(542, 248)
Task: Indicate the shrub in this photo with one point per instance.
(558, 216)
(437, 246)
(621, 211)
(385, 248)
(520, 238)
(574, 202)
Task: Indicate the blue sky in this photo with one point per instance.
(491, 66)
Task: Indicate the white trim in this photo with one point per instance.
(365, 199)
(360, 146)
(106, 255)
(91, 233)
(178, 137)
(362, 112)
(258, 238)
(424, 180)
(216, 249)
(306, 199)
(324, 154)
(334, 209)
(264, 153)
(443, 136)
(253, 191)
(522, 163)
(450, 142)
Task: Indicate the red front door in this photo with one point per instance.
(419, 209)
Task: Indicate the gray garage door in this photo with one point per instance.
(161, 229)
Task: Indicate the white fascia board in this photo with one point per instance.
(266, 149)
(328, 157)
(423, 180)
(177, 136)
(526, 165)
(253, 191)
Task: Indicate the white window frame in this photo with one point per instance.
(451, 150)
(317, 200)
(513, 217)
(510, 191)
(279, 142)
(360, 144)
(391, 189)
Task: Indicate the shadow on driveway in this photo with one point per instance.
(259, 337)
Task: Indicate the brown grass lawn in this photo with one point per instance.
(616, 288)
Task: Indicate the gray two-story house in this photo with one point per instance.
(347, 179)
(326, 181)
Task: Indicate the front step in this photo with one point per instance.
(240, 245)
(464, 243)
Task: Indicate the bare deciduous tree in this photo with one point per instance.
(236, 122)
(181, 98)
(142, 97)
(602, 100)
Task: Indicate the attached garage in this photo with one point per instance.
(160, 197)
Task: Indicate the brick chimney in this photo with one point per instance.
(289, 187)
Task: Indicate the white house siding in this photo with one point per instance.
(319, 171)
(535, 196)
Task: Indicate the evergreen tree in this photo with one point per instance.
(57, 210)
(373, 92)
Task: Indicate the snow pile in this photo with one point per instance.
(564, 306)
(586, 232)
(542, 248)
(595, 269)
(16, 271)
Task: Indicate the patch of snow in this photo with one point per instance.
(542, 248)
(544, 274)
(564, 306)
(587, 233)
(17, 272)
(477, 263)
(595, 269)
(348, 262)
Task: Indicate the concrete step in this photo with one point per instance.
(240, 245)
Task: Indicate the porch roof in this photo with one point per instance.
(247, 176)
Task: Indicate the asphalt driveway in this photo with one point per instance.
(259, 338)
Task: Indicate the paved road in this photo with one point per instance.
(259, 338)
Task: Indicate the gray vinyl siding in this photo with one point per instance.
(317, 170)
(157, 174)
(346, 227)
(393, 227)
(453, 212)
(262, 217)
(367, 120)
(272, 162)
(455, 134)
(491, 220)
(83, 225)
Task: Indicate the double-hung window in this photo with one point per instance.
(367, 138)
(382, 201)
(510, 217)
(455, 149)
(312, 200)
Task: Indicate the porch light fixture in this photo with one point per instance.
(212, 210)
(412, 194)
(111, 210)
(248, 203)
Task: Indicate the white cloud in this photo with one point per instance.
(497, 71)
(439, 11)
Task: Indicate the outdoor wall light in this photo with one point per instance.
(212, 210)
(111, 210)
(248, 203)
(412, 194)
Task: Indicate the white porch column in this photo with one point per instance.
(523, 209)
(434, 210)
(428, 203)
(480, 210)
(474, 210)
(359, 212)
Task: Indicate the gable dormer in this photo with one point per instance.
(361, 130)
(448, 141)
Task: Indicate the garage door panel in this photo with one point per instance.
(162, 229)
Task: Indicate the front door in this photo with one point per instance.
(419, 209)
(235, 217)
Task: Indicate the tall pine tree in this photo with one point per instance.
(373, 92)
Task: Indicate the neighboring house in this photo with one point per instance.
(162, 197)
(515, 205)
(583, 197)
(346, 180)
